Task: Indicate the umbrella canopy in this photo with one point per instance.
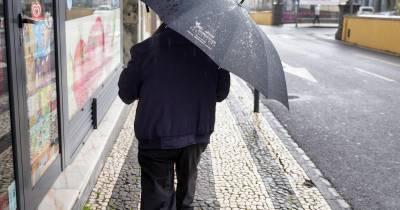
(227, 34)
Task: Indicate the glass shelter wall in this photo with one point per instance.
(41, 89)
(93, 37)
(7, 182)
(61, 57)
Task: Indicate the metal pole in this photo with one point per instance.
(297, 10)
(256, 101)
(351, 7)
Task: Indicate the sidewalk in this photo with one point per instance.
(246, 166)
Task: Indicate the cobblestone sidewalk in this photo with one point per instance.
(246, 166)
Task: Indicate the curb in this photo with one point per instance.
(334, 199)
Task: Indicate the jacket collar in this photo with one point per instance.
(167, 38)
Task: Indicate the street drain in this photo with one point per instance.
(308, 183)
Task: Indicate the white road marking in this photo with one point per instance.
(313, 55)
(373, 74)
(299, 72)
(287, 36)
(326, 36)
(380, 60)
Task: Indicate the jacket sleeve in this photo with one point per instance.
(130, 79)
(224, 83)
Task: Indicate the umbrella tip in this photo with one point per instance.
(241, 2)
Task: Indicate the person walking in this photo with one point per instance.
(177, 87)
(317, 11)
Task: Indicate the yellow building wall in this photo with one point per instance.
(262, 17)
(373, 32)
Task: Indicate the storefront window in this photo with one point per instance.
(93, 40)
(7, 183)
(39, 56)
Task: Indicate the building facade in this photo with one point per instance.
(387, 7)
(306, 13)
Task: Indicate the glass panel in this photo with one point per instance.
(93, 37)
(38, 43)
(7, 184)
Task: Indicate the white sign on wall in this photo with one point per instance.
(320, 2)
(69, 4)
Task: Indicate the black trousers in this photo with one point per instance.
(157, 178)
(316, 19)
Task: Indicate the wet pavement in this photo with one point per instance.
(246, 166)
(344, 112)
(6, 172)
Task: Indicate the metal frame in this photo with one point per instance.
(32, 194)
(58, 40)
(13, 100)
(28, 197)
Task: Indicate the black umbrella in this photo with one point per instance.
(227, 34)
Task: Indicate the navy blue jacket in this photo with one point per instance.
(177, 86)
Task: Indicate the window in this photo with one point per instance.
(93, 40)
(7, 184)
(41, 89)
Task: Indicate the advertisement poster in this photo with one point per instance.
(94, 52)
(7, 184)
(8, 197)
(12, 197)
(4, 201)
(42, 94)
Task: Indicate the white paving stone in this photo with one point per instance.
(289, 165)
(232, 166)
(105, 186)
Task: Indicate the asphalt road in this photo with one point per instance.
(345, 112)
